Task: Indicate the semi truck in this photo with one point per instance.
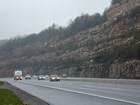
(17, 75)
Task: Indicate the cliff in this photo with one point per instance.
(123, 7)
(109, 50)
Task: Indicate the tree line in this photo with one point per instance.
(80, 23)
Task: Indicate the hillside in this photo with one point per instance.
(107, 49)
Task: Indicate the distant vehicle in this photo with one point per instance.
(17, 75)
(64, 76)
(35, 76)
(27, 76)
(54, 78)
(41, 77)
(46, 76)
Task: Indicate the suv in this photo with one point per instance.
(27, 76)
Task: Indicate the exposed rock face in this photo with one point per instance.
(81, 50)
(122, 8)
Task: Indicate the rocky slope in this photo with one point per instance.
(102, 51)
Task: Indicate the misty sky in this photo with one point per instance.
(24, 17)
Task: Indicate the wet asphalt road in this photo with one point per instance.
(80, 93)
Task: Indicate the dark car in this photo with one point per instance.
(54, 78)
(41, 77)
(27, 76)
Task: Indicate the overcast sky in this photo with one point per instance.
(24, 17)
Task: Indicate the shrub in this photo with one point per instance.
(135, 11)
(114, 1)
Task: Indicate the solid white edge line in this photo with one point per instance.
(131, 102)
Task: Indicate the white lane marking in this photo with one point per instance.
(104, 87)
(99, 87)
(117, 89)
(105, 97)
(88, 85)
(112, 88)
(97, 90)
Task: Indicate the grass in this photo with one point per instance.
(1, 83)
(7, 97)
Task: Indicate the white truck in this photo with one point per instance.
(18, 75)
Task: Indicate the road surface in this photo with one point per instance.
(80, 93)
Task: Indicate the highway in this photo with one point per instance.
(79, 92)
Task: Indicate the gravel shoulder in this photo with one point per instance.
(25, 97)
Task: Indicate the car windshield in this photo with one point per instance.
(41, 75)
(54, 76)
(27, 74)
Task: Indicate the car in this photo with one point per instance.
(41, 77)
(35, 76)
(54, 78)
(64, 76)
(27, 76)
(46, 76)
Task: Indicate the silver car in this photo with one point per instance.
(41, 77)
(27, 76)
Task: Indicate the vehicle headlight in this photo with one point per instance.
(58, 78)
(52, 78)
(20, 77)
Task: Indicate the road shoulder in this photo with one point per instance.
(25, 97)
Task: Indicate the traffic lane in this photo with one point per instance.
(60, 97)
(103, 88)
(104, 93)
(61, 84)
(104, 80)
(103, 85)
(94, 88)
(134, 88)
(113, 88)
(108, 85)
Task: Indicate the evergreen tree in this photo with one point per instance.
(114, 1)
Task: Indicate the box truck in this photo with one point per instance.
(18, 75)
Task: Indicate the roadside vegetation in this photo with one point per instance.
(1, 83)
(114, 1)
(122, 53)
(80, 23)
(7, 97)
